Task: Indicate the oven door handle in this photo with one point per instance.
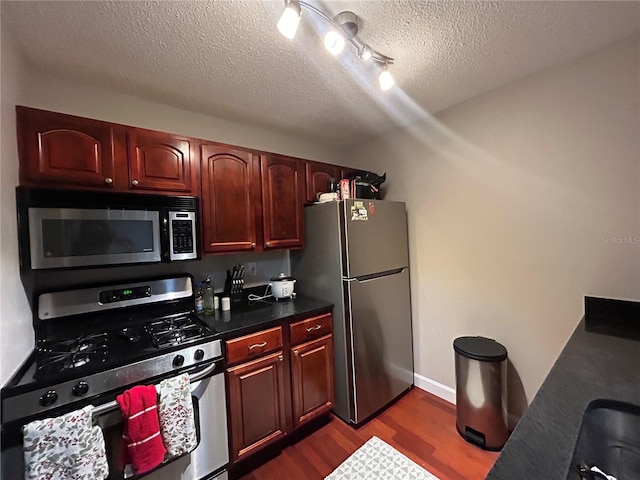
(107, 407)
(204, 372)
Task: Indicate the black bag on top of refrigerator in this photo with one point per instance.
(365, 184)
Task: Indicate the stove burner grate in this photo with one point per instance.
(173, 331)
(58, 356)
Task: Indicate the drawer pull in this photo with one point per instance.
(296, 352)
(316, 327)
(280, 357)
(258, 345)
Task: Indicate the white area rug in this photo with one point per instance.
(377, 460)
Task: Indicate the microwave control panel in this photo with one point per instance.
(182, 235)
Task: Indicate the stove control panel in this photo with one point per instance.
(119, 378)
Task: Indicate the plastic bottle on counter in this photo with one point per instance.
(199, 298)
(208, 297)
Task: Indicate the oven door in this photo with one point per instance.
(207, 461)
(210, 458)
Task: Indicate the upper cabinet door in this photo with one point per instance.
(282, 201)
(318, 177)
(63, 150)
(230, 191)
(159, 161)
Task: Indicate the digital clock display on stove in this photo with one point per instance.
(122, 294)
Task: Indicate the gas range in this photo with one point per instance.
(93, 343)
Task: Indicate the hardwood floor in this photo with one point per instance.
(419, 425)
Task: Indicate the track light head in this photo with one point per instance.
(334, 42)
(290, 19)
(386, 79)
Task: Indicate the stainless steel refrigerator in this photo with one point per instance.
(356, 256)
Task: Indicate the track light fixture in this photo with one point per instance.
(343, 28)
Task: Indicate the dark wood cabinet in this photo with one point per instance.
(256, 404)
(230, 192)
(160, 162)
(251, 201)
(64, 151)
(318, 176)
(279, 379)
(282, 201)
(57, 149)
(312, 379)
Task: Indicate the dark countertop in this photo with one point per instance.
(259, 315)
(591, 366)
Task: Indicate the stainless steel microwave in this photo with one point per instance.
(72, 229)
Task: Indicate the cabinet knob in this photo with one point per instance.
(253, 245)
(108, 180)
(280, 358)
(134, 183)
(268, 244)
(296, 353)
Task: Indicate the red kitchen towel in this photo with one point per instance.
(139, 407)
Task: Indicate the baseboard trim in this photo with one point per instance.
(435, 388)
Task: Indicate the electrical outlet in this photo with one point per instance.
(252, 268)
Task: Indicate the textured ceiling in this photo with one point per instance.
(226, 58)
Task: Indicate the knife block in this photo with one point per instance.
(234, 289)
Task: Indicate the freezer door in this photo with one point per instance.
(374, 237)
(378, 315)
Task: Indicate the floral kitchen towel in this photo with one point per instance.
(65, 448)
(176, 415)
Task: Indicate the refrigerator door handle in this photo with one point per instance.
(351, 374)
(375, 276)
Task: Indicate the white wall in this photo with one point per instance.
(51, 93)
(521, 201)
(16, 337)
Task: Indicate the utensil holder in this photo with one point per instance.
(234, 290)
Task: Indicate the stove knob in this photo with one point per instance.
(80, 389)
(199, 354)
(48, 398)
(178, 361)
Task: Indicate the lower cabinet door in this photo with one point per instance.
(312, 379)
(256, 404)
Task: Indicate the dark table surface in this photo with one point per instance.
(591, 366)
(255, 316)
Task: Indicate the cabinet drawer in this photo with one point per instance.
(254, 345)
(310, 328)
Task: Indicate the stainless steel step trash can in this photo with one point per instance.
(481, 391)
